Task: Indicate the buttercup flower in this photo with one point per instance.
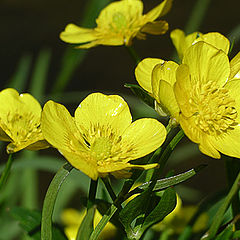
(20, 121)
(183, 42)
(118, 24)
(207, 93)
(72, 219)
(157, 77)
(101, 138)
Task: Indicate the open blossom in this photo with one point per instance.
(208, 97)
(118, 24)
(20, 121)
(101, 137)
(201, 94)
(183, 42)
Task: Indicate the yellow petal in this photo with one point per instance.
(206, 63)
(143, 72)
(182, 89)
(235, 67)
(82, 161)
(168, 99)
(98, 109)
(182, 42)
(59, 129)
(75, 34)
(41, 144)
(119, 14)
(159, 11)
(144, 135)
(234, 88)
(217, 40)
(155, 28)
(228, 143)
(207, 148)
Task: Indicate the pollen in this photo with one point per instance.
(214, 110)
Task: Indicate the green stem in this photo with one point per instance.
(166, 154)
(50, 199)
(233, 168)
(105, 219)
(133, 54)
(92, 193)
(221, 211)
(108, 186)
(6, 171)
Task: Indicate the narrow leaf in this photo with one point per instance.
(49, 201)
(86, 226)
(141, 93)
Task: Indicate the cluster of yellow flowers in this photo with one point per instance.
(201, 94)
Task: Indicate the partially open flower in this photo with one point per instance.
(101, 138)
(118, 24)
(20, 121)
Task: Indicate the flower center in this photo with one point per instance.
(101, 147)
(214, 110)
(21, 127)
(118, 21)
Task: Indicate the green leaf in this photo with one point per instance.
(49, 201)
(30, 221)
(236, 234)
(165, 206)
(226, 234)
(145, 210)
(171, 181)
(141, 93)
(86, 226)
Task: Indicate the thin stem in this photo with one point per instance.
(108, 186)
(133, 54)
(6, 171)
(233, 168)
(92, 193)
(221, 211)
(50, 199)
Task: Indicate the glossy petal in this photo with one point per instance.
(235, 67)
(82, 161)
(98, 109)
(207, 63)
(159, 11)
(59, 129)
(228, 143)
(143, 72)
(144, 136)
(182, 89)
(182, 42)
(75, 34)
(217, 40)
(207, 147)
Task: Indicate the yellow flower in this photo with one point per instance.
(158, 77)
(72, 219)
(118, 24)
(183, 42)
(207, 93)
(101, 138)
(20, 121)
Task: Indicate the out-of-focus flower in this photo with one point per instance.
(101, 138)
(208, 97)
(183, 42)
(158, 77)
(20, 121)
(72, 219)
(118, 24)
